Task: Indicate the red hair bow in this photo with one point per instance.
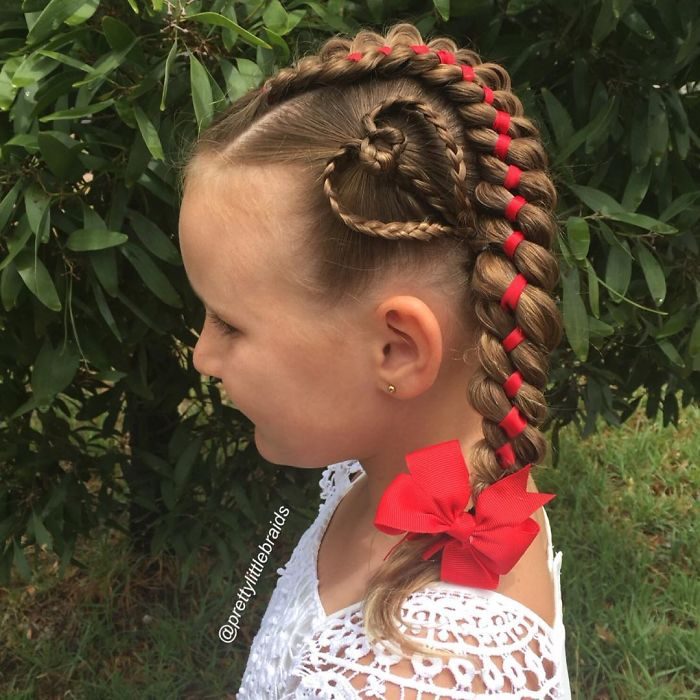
(432, 498)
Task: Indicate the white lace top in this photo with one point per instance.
(502, 648)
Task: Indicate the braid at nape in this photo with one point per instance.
(514, 271)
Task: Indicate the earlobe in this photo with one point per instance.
(412, 344)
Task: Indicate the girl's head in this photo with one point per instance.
(309, 366)
(350, 219)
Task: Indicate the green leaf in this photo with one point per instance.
(37, 279)
(201, 93)
(36, 202)
(618, 270)
(694, 344)
(87, 10)
(166, 74)
(106, 312)
(32, 70)
(670, 351)
(59, 151)
(155, 462)
(643, 221)
(675, 324)
(565, 252)
(41, 534)
(681, 130)
(51, 18)
(21, 563)
(443, 7)
(680, 205)
(152, 276)
(279, 44)
(95, 239)
(597, 200)
(77, 112)
(149, 133)
(153, 239)
(640, 150)
(54, 369)
(167, 491)
(638, 24)
(186, 461)
(10, 286)
(104, 263)
(637, 187)
(118, 34)
(243, 502)
(605, 22)
(275, 17)
(574, 313)
(593, 290)
(67, 60)
(515, 7)
(7, 205)
(219, 20)
(7, 89)
(590, 131)
(107, 64)
(653, 273)
(658, 126)
(559, 118)
(598, 328)
(579, 236)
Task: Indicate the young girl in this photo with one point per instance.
(370, 235)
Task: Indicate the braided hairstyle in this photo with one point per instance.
(419, 159)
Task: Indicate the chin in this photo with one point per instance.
(283, 460)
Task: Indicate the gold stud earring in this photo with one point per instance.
(391, 388)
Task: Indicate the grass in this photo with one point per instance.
(625, 517)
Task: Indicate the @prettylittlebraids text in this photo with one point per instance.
(229, 630)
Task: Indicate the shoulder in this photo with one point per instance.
(495, 647)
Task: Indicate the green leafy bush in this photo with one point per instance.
(103, 415)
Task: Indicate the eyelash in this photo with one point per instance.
(224, 327)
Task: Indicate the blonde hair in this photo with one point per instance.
(399, 149)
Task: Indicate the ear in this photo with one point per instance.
(411, 345)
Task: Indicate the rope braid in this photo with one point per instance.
(514, 271)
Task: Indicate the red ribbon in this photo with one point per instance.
(478, 548)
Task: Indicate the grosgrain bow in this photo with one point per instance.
(478, 548)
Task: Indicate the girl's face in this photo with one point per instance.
(306, 382)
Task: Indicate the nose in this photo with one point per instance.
(204, 358)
